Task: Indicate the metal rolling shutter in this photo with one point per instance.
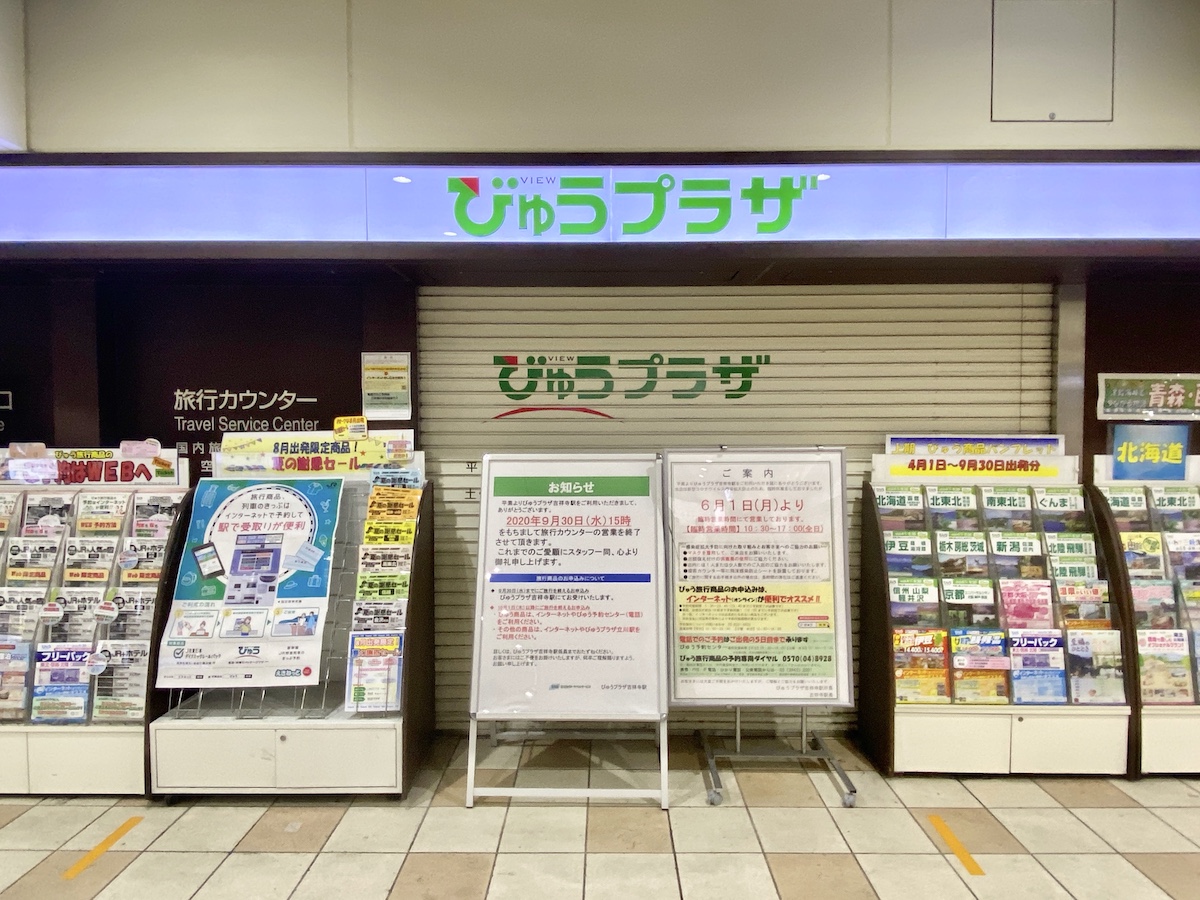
(847, 365)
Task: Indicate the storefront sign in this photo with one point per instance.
(760, 596)
(569, 607)
(253, 586)
(570, 382)
(1153, 452)
(1162, 397)
(601, 204)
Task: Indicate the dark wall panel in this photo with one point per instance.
(26, 364)
(1136, 325)
(185, 358)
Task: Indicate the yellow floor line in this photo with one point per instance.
(955, 845)
(101, 848)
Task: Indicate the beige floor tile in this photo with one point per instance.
(548, 777)
(881, 831)
(621, 876)
(797, 830)
(715, 876)
(154, 821)
(819, 876)
(420, 790)
(1004, 793)
(713, 830)
(363, 876)
(1176, 873)
(47, 827)
(1009, 877)
(292, 829)
(871, 787)
(443, 876)
(624, 780)
(847, 753)
(557, 755)
(1185, 820)
(1160, 791)
(552, 876)
(452, 790)
(18, 800)
(626, 830)
(162, 876)
(8, 813)
(209, 828)
(263, 876)
(447, 829)
(1135, 831)
(441, 750)
(45, 879)
(976, 829)
(903, 876)
(922, 791)
(82, 800)
(376, 829)
(15, 863)
(1050, 831)
(625, 755)
(1093, 877)
(1085, 793)
(544, 829)
(683, 753)
(502, 756)
(776, 788)
(691, 788)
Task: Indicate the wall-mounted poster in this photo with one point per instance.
(253, 585)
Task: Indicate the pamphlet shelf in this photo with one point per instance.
(990, 735)
(304, 739)
(1165, 737)
(76, 623)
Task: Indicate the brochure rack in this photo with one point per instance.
(305, 740)
(927, 737)
(759, 593)
(75, 722)
(1164, 737)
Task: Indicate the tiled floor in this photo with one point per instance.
(781, 832)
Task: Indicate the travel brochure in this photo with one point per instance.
(75, 624)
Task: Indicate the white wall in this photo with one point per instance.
(550, 75)
(12, 75)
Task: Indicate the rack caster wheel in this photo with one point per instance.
(714, 798)
(848, 800)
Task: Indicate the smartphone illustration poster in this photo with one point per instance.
(253, 586)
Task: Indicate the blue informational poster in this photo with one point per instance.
(252, 592)
(1150, 452)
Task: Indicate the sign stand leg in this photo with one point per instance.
(663, 756)
(472, 743)
(814, 747)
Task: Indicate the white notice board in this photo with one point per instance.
(570, 606)
(759, 584)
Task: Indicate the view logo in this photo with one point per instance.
(535, 212)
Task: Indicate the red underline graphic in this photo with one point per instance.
(529, 409)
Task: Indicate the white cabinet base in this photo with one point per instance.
(66, 759)
(1170, 740)
(1002, 740)
(339, 754)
